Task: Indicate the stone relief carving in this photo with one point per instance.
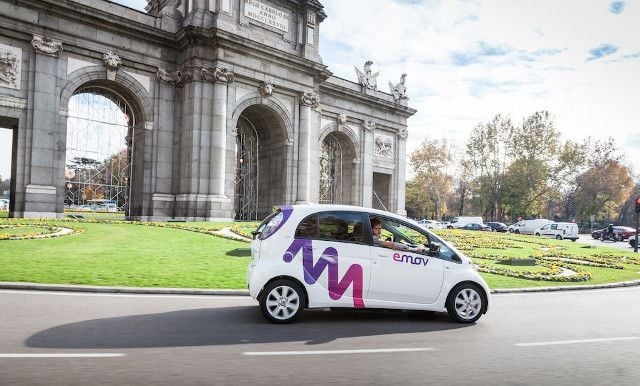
(43, 45)
(310, 99)
(223, 75)
(342, 119)
(171, 10)
(369, 125)
(403, 133)
(179, 76)
(399, 90)
(173, 77)
(112, 61)
(266, 89)
(8, 69)
(383, 146)
(366, 78)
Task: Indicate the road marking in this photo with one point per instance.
(577, 341)
(70, 355)
(332, 352)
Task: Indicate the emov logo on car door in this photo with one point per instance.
(328, 260)
(410, 259)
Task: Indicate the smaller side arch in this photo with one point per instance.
(274, 103)
(344, 129)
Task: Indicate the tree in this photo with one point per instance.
(428, 192)
(486, 160)
(603, 190)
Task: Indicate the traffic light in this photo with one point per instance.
(638, 204)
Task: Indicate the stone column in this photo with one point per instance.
(45, 189)
(401, 166)
(219, 205)
(367, 164)
(308, 101)
(222, 77)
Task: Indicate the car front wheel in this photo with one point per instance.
(282, 301)
(465, 303)
(558, 237)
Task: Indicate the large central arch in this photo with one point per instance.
(262, 151)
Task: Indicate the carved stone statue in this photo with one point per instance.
(46, 46)
(403, 133)
(367, 79)
(171, 9)
(399, 91)
(266, 89)
(342, 119)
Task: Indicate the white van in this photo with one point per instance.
(528, 227)
(460, 221)
(559, 231)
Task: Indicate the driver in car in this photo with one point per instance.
(376, 228)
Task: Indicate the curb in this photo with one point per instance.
(240, 292)
(122, 290)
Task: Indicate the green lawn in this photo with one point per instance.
(186, 255)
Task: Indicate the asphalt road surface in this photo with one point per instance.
(555, 338)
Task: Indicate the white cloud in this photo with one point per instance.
(522, 56)
(469, 60)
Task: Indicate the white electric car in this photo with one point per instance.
(319, 256)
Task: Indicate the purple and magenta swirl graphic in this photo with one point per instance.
(328, 260)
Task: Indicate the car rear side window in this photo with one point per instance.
(336, 226)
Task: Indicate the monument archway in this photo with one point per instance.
(261, 150)
(99, 148)
(337, 170)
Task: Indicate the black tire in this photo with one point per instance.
(466, 303)
(537, 234)
(517, 231)
(558, 237)
(282, 301)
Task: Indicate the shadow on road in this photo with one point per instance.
(233, 325)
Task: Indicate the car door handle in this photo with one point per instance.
(380, 254)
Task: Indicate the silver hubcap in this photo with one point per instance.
(468, 303)
(283, 302)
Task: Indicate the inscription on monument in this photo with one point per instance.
(260, 12)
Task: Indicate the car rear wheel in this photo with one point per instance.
(282, 301)
(465, 303)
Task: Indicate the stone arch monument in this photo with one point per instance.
(231, 99)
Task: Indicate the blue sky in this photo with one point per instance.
(468, 60)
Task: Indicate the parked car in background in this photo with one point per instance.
(431, 224)
(476, 227)
(528, 227)
(497, 226)
(4, 204)
(460, 221)
(559, 231)
(620, 233)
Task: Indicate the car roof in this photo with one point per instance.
(304, 209)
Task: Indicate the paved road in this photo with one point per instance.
(560, 338)
(587, 239)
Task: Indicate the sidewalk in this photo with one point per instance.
(241, 292)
